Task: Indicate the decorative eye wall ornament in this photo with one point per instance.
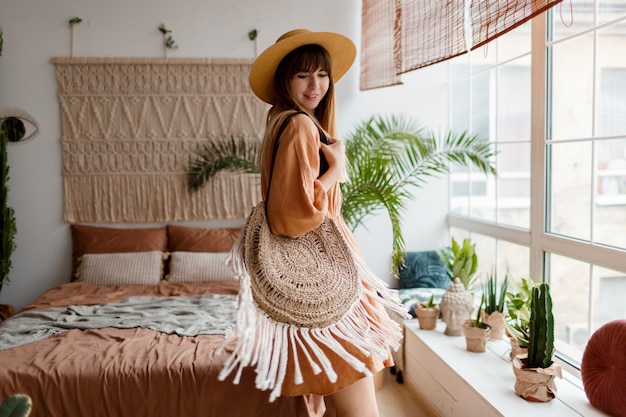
(20, 126)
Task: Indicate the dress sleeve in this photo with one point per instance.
(298, 201)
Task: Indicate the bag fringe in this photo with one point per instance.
(263, 343)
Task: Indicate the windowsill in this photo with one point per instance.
(485, 378)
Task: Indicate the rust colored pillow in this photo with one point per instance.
(603, 368)
(197, 239)
(93, 239)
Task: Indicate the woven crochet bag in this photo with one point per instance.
(304, 291)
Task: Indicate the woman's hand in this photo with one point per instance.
(335, 153)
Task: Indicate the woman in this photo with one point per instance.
(296, 76)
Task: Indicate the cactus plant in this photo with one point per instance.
(461, 261)
(541, 328)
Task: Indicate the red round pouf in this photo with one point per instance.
(603, 368)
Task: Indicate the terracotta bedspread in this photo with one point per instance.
(134, 372)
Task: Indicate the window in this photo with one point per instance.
(551, 96)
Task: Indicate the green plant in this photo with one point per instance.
(428, 303)
(541, 329)
(168, 40)
(518, 309)
(387, 157)
(478, 321)
(495, 295)
(8, 226)
(461, 261)
(236, 156)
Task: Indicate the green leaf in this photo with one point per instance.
(234, 156)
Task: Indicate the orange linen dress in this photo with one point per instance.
(298, 203)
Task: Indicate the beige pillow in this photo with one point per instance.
(94, 239)
(132, 268)
(199, 267)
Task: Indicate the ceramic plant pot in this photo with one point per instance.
(427, 316)
(476, 337)
(535, 384)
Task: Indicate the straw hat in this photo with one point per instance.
(341, 49)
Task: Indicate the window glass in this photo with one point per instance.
(573, 16)
(611, 117)
(513, 184)
(609, 10)
(515, 43)
(572, 90)
(584, 298)
(513, 107)
(570, 288)
(570, 190)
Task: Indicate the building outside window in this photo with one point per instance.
(551, 97)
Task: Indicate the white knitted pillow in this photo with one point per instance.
(199, 267)
(131, 268)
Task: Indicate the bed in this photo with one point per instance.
(136, 332)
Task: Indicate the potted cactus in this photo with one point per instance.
(427, 313)
(535, 371)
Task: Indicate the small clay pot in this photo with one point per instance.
(476, 337)
(426, 316)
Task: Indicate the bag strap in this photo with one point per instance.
(283, 126)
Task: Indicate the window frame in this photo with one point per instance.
(540, 242)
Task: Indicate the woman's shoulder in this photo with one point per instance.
(298, 123)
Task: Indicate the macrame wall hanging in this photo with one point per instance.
(130, 128)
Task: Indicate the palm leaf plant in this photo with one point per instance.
(232, 155)
(387, 157)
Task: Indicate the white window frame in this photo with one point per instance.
(537, 239)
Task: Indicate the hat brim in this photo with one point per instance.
(341, 49)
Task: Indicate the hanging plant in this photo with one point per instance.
(168, 40)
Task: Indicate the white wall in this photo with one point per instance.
(37, 30)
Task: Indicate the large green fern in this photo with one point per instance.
(388, 157)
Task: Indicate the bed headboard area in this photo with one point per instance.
(129, 130)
